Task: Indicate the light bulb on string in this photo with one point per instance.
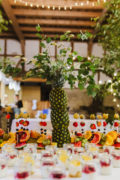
(37, 5)
(76, 4)
(31, 5)
(53, 7)
(114, 100)
(118, 105)
(59, 8)
(81, 3)
(48, 7)
(109, 81)
(100, 82)
(43, 6)
(87, 2)
(114, 94)
(65, 8)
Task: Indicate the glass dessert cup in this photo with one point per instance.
(105, 164)
(46, 154)
(51, 148)
(58, 173)
(11, 157)
(108, 149)
(95, 156)
(8, 147)
(31, 148)
(86, 157)
(92, 148)
(74, 167)
(89, 171)
(22, 170)
(69, 148)
(78, 150)
(46, 167)
(3, 166)
(116, 158)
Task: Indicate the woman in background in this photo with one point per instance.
(18, 105)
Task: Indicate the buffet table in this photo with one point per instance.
(44, 125)
(36, 176)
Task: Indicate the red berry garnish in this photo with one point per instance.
(75, 124)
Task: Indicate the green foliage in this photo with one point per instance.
(61, 69)
(108, 35)
(3, 22)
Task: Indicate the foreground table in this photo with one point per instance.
(36, 176)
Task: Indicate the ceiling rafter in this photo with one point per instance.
(8, 10)
(56, 13)
(62, 3)
(57, 22)
(54, 29)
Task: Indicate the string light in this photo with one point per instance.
(87, 2)
(100, 82)
(37, 5)
(59, 8)
(114, 94)
(114, 100)
(81, 3)
(118, 105)
(65, 8)
(53, 7)
(31, 5)
(109, 81)
(76, 4)
(48, 7)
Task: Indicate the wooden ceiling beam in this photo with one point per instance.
(29, 79)
(10, 14)
(56, 3)
(56, 13)
(57, 30)
(57, 22)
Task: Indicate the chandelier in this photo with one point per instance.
(59, 4)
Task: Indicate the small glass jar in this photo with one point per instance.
(108, 149)
(116, 158)
(8, 147)
(22, 170)
(92, 148)
(46, 154)
(69, 148)
(105, 164)
(58, 173)
(51, 148)
(89, 171)
(78, 150)
(3, 166)
(46, 167)
(86, 157)
(74, 167)
(32, 149)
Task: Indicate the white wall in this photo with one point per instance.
(32, 48)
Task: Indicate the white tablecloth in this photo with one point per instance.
(36, 176)
(34, 124)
